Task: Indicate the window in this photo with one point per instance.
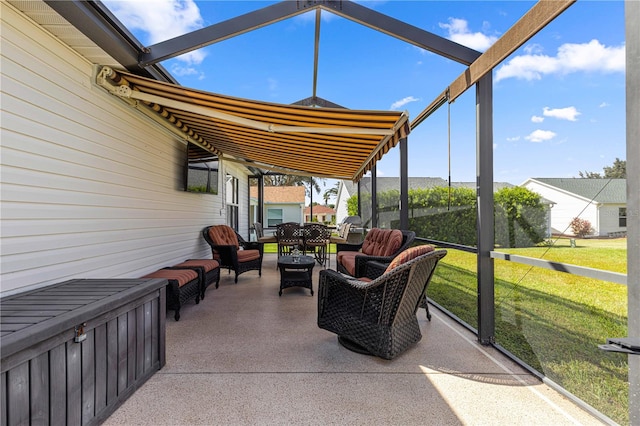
(622, 217)
(274, 217)
(232, 197)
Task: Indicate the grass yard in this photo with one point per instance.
(551, 320)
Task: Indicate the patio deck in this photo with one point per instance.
(245, 356)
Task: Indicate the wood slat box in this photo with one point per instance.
(75, 351)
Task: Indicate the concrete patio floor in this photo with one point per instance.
(245, 356)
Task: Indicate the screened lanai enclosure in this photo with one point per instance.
(516, 275)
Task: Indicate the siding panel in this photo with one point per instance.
(90, 186)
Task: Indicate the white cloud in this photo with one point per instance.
(537, 119)
(513, 139)
(540, 135)
(161, 20)
(403, 102)
(571, 57)
(568, 113)
(273, 84)
(459, 32)
(179, 71)
(603, 105)
(533, 49)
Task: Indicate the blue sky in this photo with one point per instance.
(558, 100)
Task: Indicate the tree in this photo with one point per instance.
(331, 192)
(617, 171)
(293, 180)
(590, 175)
(581, 227)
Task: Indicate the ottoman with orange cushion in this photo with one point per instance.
(209, 268)
(184, 285)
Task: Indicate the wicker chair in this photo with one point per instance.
(289, 236)
(376, 269)
(380, 245)
(376, 317)
(315, 239)
(232, 251)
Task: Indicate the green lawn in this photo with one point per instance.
(551, 320)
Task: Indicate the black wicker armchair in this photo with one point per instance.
(379, 245)
(232, 251)
(376, 317)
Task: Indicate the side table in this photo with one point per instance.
(296, 274)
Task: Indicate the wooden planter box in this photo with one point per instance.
(73, 352)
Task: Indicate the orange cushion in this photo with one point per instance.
(207, 264)
(382, 242)
(348, 260)
(248, 255)
(183, 276)
(407, 255)
(223, 235)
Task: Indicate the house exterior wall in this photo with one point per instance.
(320, 217)
(609, 219)
(290, 212)
(567, 206)
(341, 203)
(89, 186)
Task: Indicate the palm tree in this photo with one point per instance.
(331, 192)
(292, 180)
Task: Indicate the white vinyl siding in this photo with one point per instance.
(566, 207)
(90, 187)
(610, 219)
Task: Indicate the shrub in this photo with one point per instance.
(449, 214)
(581, 227)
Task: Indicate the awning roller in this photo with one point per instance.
(328, 142)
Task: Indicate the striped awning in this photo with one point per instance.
(323, 142)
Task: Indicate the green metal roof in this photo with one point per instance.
(611, 191)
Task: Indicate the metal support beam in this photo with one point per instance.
(261, 200)
(404, 184)
(401, 30)
(286, 9)
(317, 101)
(485, 216)
(632, 37)
(374, 196)
(533, 21)
(97, 22)
(221, 31)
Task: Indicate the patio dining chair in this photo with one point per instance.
(315, 240)
(377, 317)
(288, 236)
(257, 226)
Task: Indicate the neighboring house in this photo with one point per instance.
(603, 202)
(281, 204)
(347, 189)
(322, 214)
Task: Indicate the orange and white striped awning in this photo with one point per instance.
(323, 142)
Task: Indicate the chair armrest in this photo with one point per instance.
(228, 253)
(331, 277)
(253, 245)
(374, 269)
(348, 247)
(363, 260)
